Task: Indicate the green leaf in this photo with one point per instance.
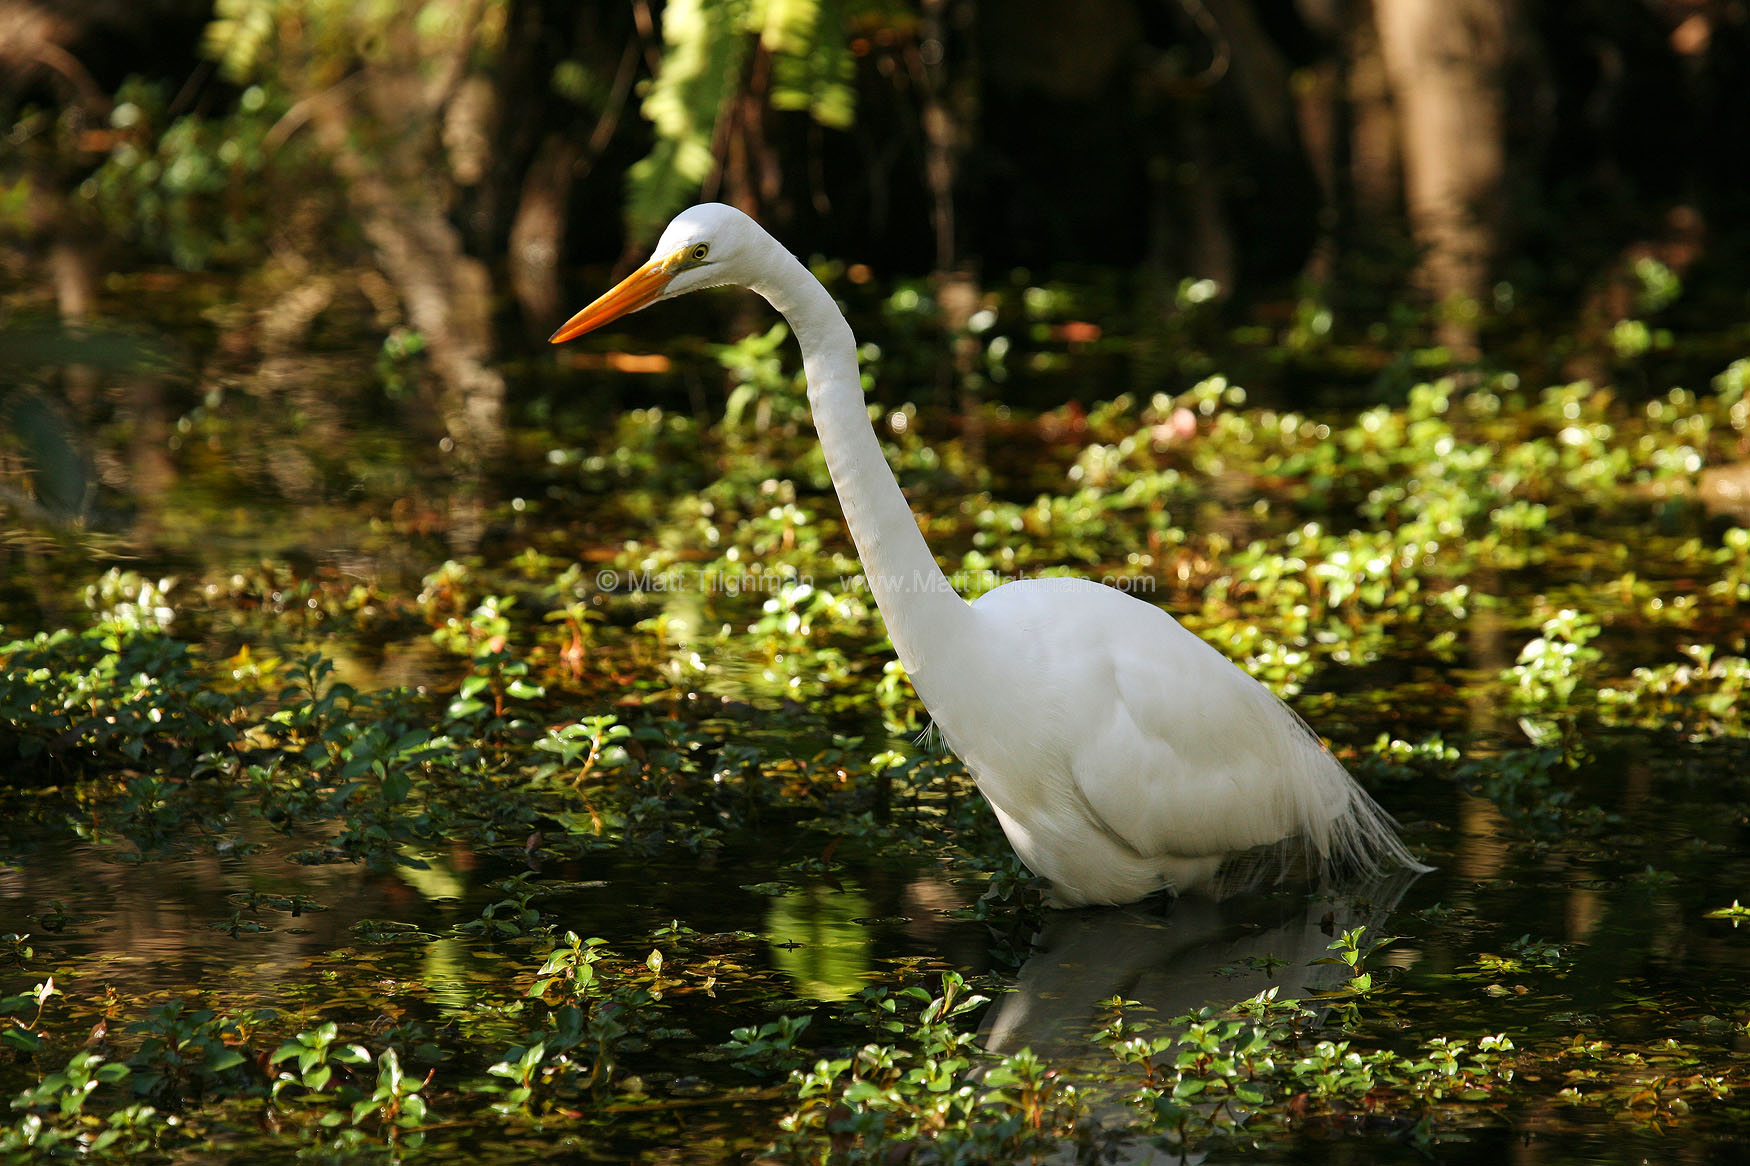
(227, 1059)
(396, 786)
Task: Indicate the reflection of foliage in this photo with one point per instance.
(1431, 538)
(60, 481)
(818, 941)
(47, 470)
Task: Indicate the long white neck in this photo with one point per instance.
(922, 610)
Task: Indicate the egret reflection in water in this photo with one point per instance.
(1202, 948)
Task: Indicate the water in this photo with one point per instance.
(1556, 937)
(1577, 857)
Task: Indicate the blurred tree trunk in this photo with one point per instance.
(548, 137)
(386, 136)
(1444, 61)
(75, 256)
(1260, 78)
(42, 60)
(537, 234)
(447, 293)
(949, 114)
(1375, 168)
(37, 62)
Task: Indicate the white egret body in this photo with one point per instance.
(1122, 754)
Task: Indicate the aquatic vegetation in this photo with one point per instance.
(1705, 696)
(919, 1098)
(626, 814)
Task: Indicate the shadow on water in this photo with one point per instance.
(1200, 949)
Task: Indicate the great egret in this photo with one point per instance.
(1121, 753)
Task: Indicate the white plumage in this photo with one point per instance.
(1122, 754)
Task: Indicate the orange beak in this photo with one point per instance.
(637, 290)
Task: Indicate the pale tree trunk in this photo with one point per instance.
(537, 234)
(447, 293)
(1375, 165)
(1444, 61)
(404, 211)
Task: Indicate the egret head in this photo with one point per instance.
(709, 245)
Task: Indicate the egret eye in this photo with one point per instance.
(699, 252)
